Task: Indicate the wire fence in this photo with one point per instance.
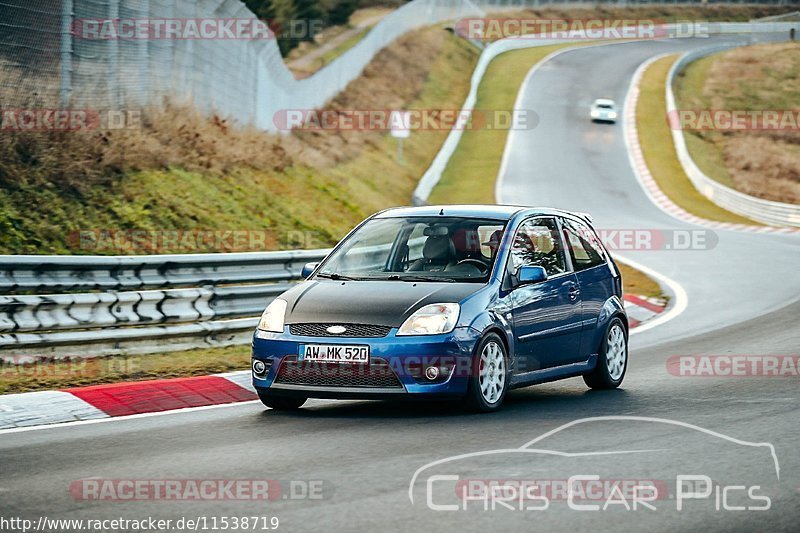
(118, 54)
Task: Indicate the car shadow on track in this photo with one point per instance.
(547, 400)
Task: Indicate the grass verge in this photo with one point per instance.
(639, 283)
(50, 375)
(763, 163)
(472, 170)
(308, 57)
(655, 138)
(341, 48)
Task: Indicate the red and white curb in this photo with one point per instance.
(641, 309)
(645, 178)
(95, 402)
(123, 399)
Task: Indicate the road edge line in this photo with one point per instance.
(678, 302)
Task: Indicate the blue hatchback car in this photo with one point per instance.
(454, 302)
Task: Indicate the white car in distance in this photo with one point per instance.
(604, 110)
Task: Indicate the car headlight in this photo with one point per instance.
(431, 320)
(273, 315)
(612, 114)
(595, 113)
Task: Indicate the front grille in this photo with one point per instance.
(352, 330)
(378, 374)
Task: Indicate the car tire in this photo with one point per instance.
(612, 361)
(488, 380)
(281, 403)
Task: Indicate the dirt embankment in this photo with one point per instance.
(766, 162)
(183, 171)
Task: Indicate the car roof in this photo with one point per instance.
(606, 101)
(492, 211)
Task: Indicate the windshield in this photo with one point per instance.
(418, 249)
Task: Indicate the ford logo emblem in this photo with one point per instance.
(336, 330)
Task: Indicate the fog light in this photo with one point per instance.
(259, 368)
(432, 373)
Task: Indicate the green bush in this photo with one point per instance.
(281, 14)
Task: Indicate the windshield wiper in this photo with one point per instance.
(414, 277)
(336, 276)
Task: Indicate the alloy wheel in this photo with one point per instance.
(492, 372)
(616, 352)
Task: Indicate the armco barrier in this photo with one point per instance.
(39, 273)
(137, 303)
(434, 172)
(765, 211)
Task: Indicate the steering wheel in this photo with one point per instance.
(483, 267)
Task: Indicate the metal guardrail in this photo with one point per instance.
(38, 273)
(765, 211)
(139, 303)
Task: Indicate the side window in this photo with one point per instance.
(537, 244)
(586, 250)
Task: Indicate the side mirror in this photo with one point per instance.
(308, 269)
(531, 274)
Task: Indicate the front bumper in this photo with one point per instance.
(604, 117)
(396, 367)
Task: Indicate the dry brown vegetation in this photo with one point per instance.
(763, 77)
(661, 13)
(393, 80)
(170, 137)
(181, 170)
(178, 136)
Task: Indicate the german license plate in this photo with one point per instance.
(334, 353)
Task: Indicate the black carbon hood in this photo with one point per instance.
(385, 303)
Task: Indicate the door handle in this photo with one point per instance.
(574, 292)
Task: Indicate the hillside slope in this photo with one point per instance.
(85, 193)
